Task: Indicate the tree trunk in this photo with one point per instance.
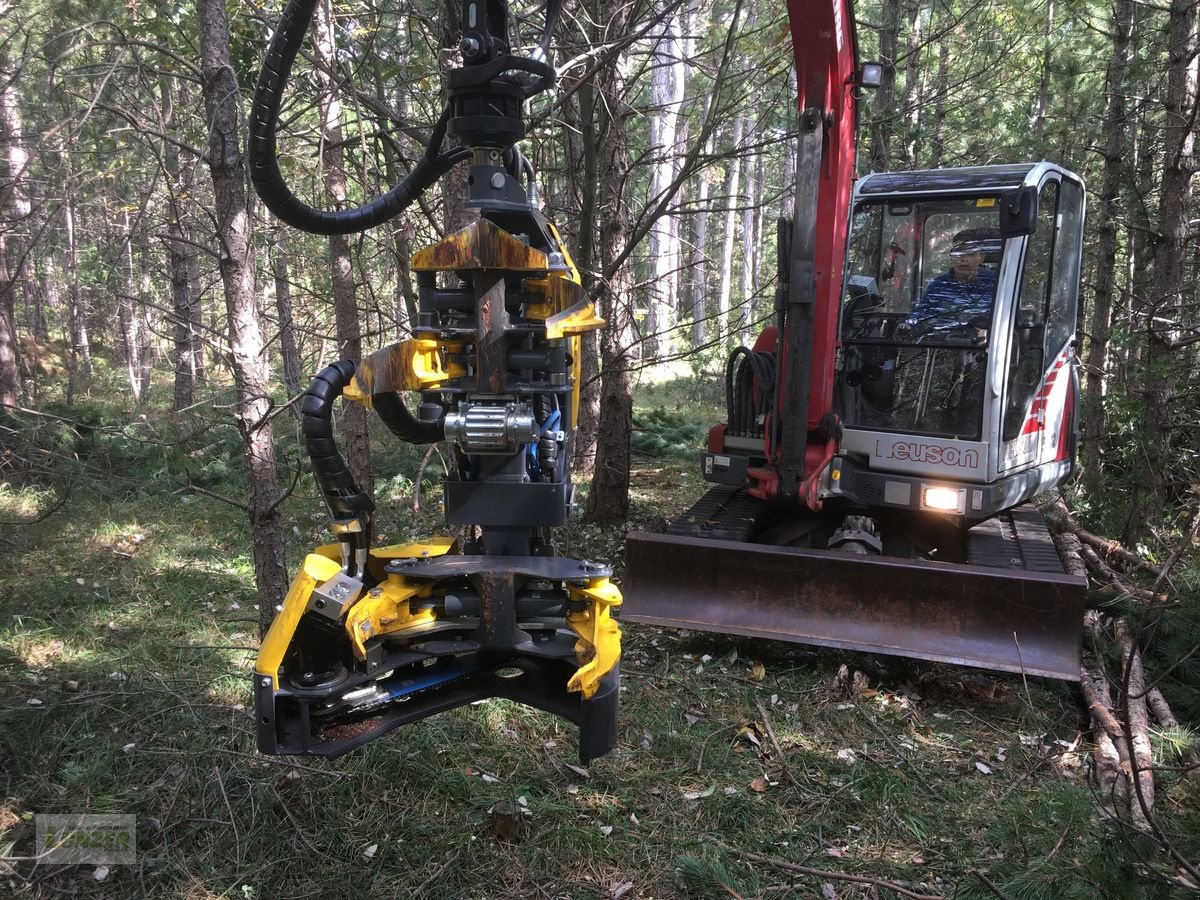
(1164, 381)
(181, 261)
(608, 501)
(129, 320)
(883, 106)
(582, 185)
(15, 207)
(941, 85)
(912, 84)
(283, 308)
(749, 213)
(698, 265)
(222, 107)
(81, 351)
(345, 309)
(733, 173)
(1042, 104)
(1100, 330)
(666, 96)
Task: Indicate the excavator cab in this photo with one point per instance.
(884, 437)
(956, 383)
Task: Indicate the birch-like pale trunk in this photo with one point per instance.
(698, 262)
(666, 98)
(15, 208)
(81, 350)
(733, 174)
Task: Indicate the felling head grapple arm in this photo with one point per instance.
(369, 638)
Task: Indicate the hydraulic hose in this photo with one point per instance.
(343, 497)
(264, 161)
(402, 423)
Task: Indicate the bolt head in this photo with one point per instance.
(498, 180)
(266, 682)
(469, 46)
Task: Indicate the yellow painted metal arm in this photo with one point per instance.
(315, 570)
(411, 365)
(599, 644)
(384, 610)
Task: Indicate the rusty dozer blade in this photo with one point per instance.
(992, 618)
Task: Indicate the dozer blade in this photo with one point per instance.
(993, 618)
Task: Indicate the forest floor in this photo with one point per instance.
(127, 636)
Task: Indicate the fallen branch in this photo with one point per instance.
(1061, 517)
(762, 711)
(1102, 569)
(1107, 732)
(822, 873)
(1137, 720)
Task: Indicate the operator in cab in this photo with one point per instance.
(960, 299)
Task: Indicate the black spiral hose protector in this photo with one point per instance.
(343, 497)
(264, 161)
(402, 423)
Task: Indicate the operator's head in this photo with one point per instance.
(966, 255)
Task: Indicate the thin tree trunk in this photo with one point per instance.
(1042, 105)
(912, 99)
(941, 85)
(749, 214)
(127, 314)
(665, 100)
(345, 308)
(883, 106)
(15, 207)
(699, 255)
(1164, 382)
(283, 308)
(608, 500)
(81, 350)
(582, 180)
(733, 174)
(1100, 330)
(226, 161)
(181, 261)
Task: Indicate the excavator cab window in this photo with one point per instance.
(917, 314)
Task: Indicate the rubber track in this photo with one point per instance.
(1017, 539)
(725, 513)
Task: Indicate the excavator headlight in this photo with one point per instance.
(943, 499)
(870, 75)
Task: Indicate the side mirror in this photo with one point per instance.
(1018, 212)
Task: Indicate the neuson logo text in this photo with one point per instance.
(933, 454)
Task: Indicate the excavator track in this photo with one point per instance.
(1016, 539)
(725, 513)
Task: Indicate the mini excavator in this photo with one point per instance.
(884, 436)
(372, 637)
